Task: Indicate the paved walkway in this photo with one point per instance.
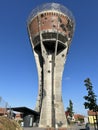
(72, 128)
(34, 128)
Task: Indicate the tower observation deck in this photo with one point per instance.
(50, 28)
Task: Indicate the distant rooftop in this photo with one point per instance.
(92, 113)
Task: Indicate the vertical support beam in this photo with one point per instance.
(60, 119)
(49, 86)
(46, 119)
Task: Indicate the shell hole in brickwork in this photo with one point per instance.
(43, 23)
(54, 25)
(69, 26)
(42, 15)
(47, 13)
(52, 21)
(63, 26)
(45, 18)
(54, 14)
(48, 71)
(63, 55)
(50, 61)
(59, 19)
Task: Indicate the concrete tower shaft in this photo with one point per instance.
(51, 28)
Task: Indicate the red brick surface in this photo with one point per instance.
(48, 21)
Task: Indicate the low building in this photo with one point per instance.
(79, 118)
(3, 111)
(18, 116)
(92, 116)
(29, 117)
(75, 118)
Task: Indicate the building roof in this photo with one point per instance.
(92, 113)
(76, 116)
(24, 110)
(3, 111)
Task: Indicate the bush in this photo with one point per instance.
(8, 124)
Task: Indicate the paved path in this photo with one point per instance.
(34, 128)
(71, 128)
(27, 128)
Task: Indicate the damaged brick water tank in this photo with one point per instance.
(50, 28)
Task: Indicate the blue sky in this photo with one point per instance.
(18, 73)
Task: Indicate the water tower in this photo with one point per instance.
(50, 28)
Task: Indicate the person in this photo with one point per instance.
(87, 126)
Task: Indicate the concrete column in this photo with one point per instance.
(60, 118)
(46, 111)
(39, 69)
